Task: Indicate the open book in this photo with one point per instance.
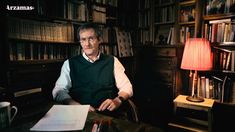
(63, 118)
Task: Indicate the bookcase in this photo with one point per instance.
(175, 21)
(38, 35)
(218, 28)
(165, 17)
(145, 26)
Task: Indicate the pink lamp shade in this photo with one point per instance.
(197, 55)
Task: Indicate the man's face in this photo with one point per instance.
(89, 42)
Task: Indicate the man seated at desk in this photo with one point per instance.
(92, 77)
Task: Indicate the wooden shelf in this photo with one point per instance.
(189, 124)
(164, 23)
(218, 16)
(42, 41)
(164, 4)
(187, 23)
(187, 2)
(29, 62)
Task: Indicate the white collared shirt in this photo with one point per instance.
(88, 59)
(63, 83)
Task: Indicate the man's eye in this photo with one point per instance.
(91, 38)
(83, 39)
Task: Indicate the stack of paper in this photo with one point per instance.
(63, 118)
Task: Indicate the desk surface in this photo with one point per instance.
(120, 125)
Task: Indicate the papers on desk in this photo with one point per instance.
(63, 118)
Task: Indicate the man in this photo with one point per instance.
(92, 78)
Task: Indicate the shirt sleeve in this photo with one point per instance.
(63, 84)
(122, 81)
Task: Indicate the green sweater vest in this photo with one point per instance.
(92, 83)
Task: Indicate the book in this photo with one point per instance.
(233, 61)
(217, 86)
(223, 58)
(207, 88)
(220, 21)
(202, 92)
(124, 43)
(227, 90)
(233, 93)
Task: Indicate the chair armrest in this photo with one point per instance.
(134, 111)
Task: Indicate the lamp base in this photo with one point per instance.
(195, 98)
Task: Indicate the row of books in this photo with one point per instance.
(219, 6)
(26, 29)
(165, 14)
(30, 51)
(71, 9)
(98, 14)
(171, 40)
(222, 30)
(109, 49)
(144, 37)
(224, 59)
(144, 19)
(159, 2)
(144, 4)
(40, 30)
(186, 32)
(77, 11)
(109, 35)
(221, 89)
(107, 2)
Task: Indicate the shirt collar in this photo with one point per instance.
(87, 58)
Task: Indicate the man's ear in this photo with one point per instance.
(100, 39)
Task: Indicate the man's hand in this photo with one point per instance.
(91, 109)
(110, 104)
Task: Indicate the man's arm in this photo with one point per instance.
(122, 81)
(123, 84)
(63, 84)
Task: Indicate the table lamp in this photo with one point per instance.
(197, 56)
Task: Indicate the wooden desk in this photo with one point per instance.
(120, 125)
(180, 101)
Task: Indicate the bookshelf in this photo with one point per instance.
(164, 22)
(145, 32)
(36, 42)
(187, 19)
(218, 27)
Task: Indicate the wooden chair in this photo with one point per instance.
(132, 112)
(127, 111)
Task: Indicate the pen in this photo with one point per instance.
(95, 127)
(99, 127)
